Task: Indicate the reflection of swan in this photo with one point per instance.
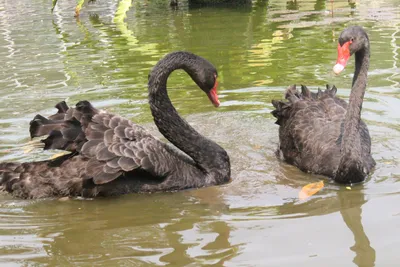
(205, 241)
(112, 155)
(350, 209)
(336, 199)
(321, 133)
(186, 228)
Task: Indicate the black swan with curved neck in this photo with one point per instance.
(111, 155)
(322, 134)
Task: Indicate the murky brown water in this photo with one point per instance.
(257, 219)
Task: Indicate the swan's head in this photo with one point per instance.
(212, 93)
(205, 75)
(351, 40)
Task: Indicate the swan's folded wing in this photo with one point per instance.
(314, 130)
(116, 145)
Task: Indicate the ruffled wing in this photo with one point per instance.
(116, 145)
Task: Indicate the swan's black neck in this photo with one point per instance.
(351, 159)
(209, 156)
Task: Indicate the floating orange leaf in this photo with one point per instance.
(310, 189)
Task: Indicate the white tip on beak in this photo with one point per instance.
(338, 68)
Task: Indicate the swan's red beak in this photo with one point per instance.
(212, 95)
(343, 57)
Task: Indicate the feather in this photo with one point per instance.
(104, 154)
(127, 164)
(113, 163)
(91, 147)
(114, 121)
(109, 137)
(104, 178)
(108, 169)
(120, 131)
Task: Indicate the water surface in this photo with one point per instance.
(260, 49)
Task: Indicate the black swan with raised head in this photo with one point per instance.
(111, 155)
(322, 134)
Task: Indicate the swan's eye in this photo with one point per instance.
(351, 39)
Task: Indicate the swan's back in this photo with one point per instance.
(311, 127)
(109, 155)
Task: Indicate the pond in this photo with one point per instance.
(105, 55)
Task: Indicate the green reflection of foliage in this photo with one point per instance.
(79, 4)
(123, 7)
(78, 7)
(120, 82)
(54, 5)
(120, 15)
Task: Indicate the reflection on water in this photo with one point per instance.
(350, 209)
(257, 219)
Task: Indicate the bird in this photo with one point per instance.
(111, 155)
(322, 134)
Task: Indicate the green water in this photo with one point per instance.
(257, 219)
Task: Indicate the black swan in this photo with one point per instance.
(111, 155)
(322, 134)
